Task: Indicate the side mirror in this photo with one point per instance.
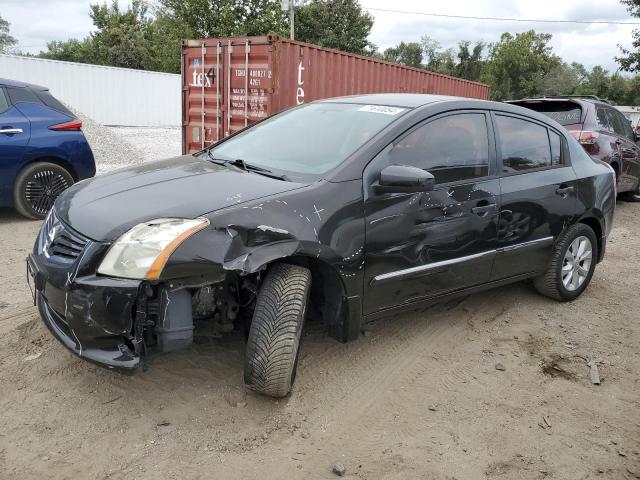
(404, 179)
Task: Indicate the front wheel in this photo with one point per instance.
(572, 265)
(632, 196)
(37, 186)
(276, 328)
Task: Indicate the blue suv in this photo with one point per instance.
(42, 149)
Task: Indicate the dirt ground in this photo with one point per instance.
(418, 397)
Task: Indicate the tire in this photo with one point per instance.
(552, 283)
(276, 328)
(36, 188)
(632, 196)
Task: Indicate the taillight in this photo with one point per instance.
(73, 126)
(585, 137)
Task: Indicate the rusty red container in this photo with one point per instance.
(229, 83)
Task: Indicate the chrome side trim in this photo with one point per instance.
(431, 266)
(453, 261)
(530, 243)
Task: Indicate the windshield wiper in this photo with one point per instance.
(247, 167)
(256, 169)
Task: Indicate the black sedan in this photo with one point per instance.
(356, 207)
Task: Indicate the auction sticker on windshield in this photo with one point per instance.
(382, 109)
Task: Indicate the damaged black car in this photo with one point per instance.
(357, 207)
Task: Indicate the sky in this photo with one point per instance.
(36, 22)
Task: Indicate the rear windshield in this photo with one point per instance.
(565, 113)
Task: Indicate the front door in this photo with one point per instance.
(538, 194)
(423, 245)
(627, 150)
(15, 130)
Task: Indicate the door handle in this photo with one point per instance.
(564, 190)
(482, 210)
(10, 131)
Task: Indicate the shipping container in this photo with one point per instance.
(229, 83)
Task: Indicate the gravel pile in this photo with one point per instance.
(157, 143)
(110, 150)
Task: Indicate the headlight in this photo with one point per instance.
(143, 251)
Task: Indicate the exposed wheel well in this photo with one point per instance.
(327, 295)
(57, 161)
(594, 224)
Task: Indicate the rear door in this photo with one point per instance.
(627, 150)
(15, 130)
(538, 194)
(428, 244)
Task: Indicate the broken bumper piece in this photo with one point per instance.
(117, 356)
(90, 315)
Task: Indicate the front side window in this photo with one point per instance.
(451, 148)
(620, 124)
(310, 140)
(524, 145)
(4, 104)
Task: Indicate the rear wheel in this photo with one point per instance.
(276, 328)
(572, 265)
(37, 187)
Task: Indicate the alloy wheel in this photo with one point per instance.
(42, 188)
(577, 263)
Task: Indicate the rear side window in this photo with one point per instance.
(4, 104)
(451, 148)
(556, 148)
(524, 145)
(565, 113)
(52, 102)
(22, 95)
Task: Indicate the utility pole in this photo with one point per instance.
(291, 19)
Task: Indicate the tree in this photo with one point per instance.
(6, 40)
(225, 18)
(630, 61)
(409, 54)
(517, 64)
(437, 59)
(121, 39)
(339, 24)
(470, 62)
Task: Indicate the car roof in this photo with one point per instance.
(406, 100)
(16, 84)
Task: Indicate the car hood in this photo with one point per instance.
(105, 207)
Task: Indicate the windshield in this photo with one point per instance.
(310, 140)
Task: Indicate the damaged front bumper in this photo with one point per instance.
(91, 316)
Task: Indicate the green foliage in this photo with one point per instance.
(121, 38)
(225, 18)
(409, 54)
(517, 64)
(470, 62)
(630, 59)
(6, 40)
(339, 24)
